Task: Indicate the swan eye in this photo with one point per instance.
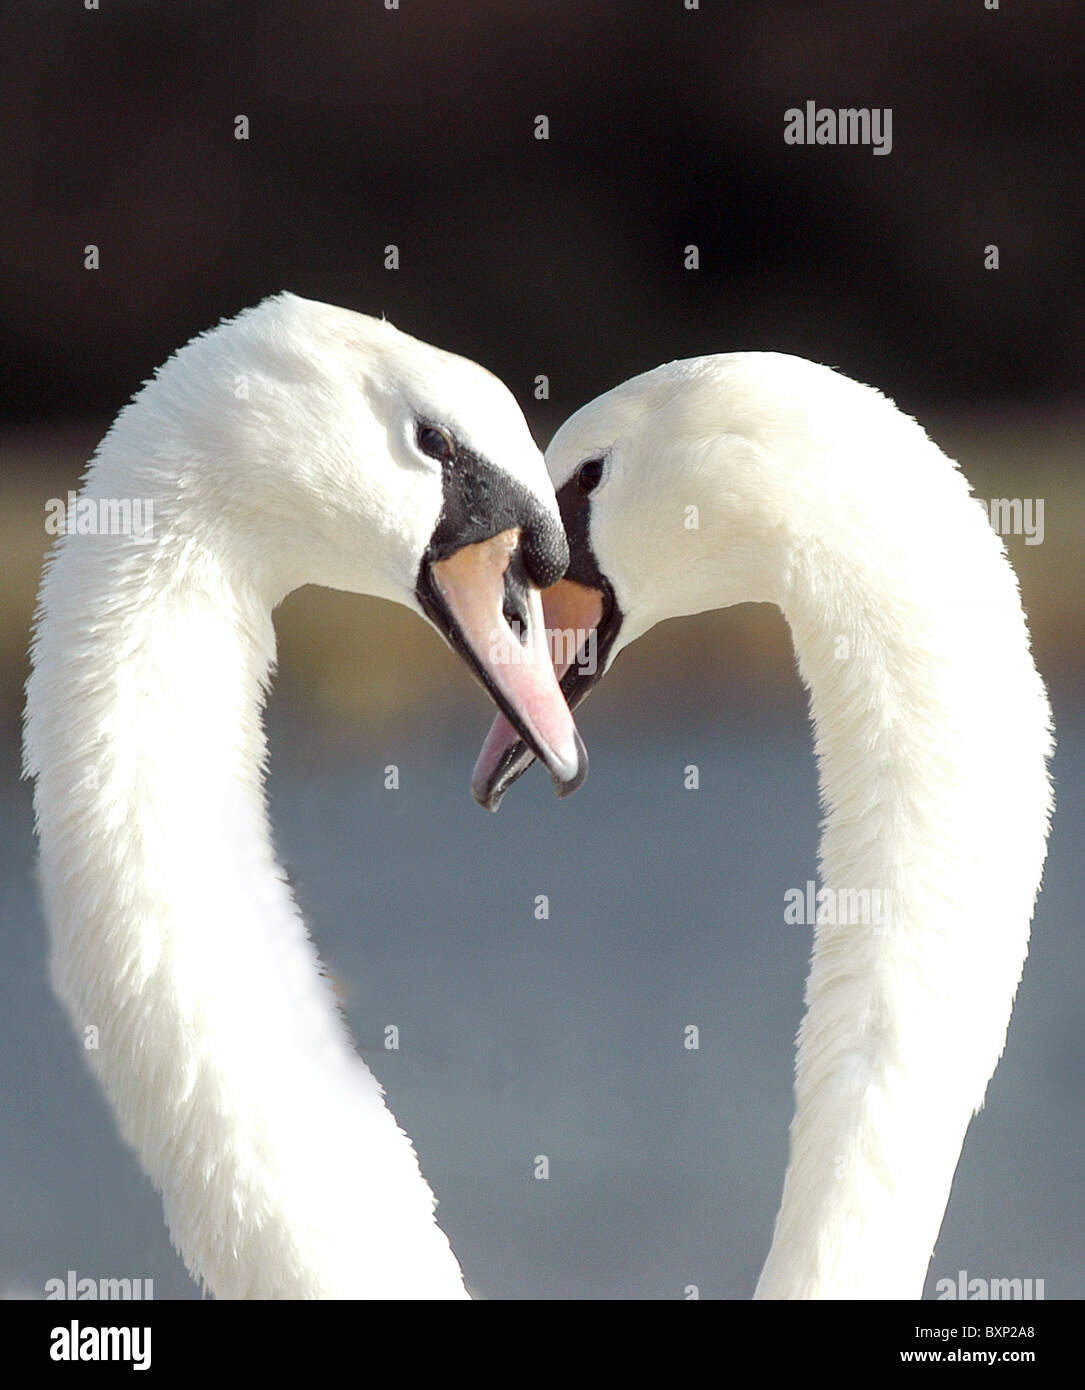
(589, 475)
(435, 443)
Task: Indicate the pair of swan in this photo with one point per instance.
(360, 458)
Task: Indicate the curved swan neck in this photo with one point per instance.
(932, 731)
(176, 938)
(761, 477)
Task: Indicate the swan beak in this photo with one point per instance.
(485, 604)
(581, 623)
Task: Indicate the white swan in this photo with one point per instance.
(298, 443)
(757, 476)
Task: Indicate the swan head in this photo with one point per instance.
(314, 445)
(669, 509)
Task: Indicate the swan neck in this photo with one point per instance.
(176, 940)
(932, 731)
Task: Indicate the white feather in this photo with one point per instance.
(932, 731)
(277, 450)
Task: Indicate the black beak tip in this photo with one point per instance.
(488, 798)
(577, 781)
(491, 793)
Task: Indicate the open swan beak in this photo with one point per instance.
(582, 622)
(483, 601)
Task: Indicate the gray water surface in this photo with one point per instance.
(563, 1037)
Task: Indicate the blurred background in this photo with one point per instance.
(561, 258)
